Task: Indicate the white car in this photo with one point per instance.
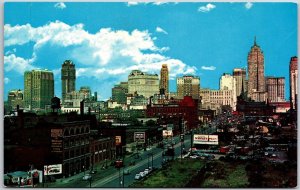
(194, 156)
(146, 171)
(142, 174)
(86, 177)
(137, 176)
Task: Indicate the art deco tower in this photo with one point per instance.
(68, 77)
(256, 82)
(164, 79)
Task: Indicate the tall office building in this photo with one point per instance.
(256, 82)
(143, 83)
(68, 78)
(240, 76)
(293, 82)
(228, 82)
(188, 86)
(38, 88)
(275, 88)
(164, 79)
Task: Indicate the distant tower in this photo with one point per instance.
(256, 78)
(240, 76)
(68, 78)
(188, 86)
(275, 87)
(293, 82)
(164, 78)
(38, 88)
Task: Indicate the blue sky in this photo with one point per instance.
(107, 40)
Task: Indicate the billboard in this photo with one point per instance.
(167, 133)
(139, 137)
(118, 140)
(206, 139)
(53, 169)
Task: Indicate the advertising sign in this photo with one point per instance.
(56, 140)
(53, 169)
(139, 137)
(167, 133)
(118, 140)
(206, 139)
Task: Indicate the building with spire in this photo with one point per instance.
(68, 78)
(164, 79)
(293, 82)
(256, 70)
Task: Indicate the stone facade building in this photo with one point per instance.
(293, 82)
(38, 89)
(164, 79)
(68, 78)
(188, 86)
(256, 69)
(275, 88)
(240, 76)
(143, 83)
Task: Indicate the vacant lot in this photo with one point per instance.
(176, 174)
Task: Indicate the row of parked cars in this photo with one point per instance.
(143, 174)
(199, 155)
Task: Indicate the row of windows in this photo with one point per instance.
(72, 131)
(76, 152)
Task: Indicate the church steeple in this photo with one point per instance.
(255, 41)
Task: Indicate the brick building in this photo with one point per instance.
(187, 108)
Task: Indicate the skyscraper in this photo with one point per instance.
(275, 88)
(143, 83)
(188, 86)
(68, 78)
(164, 78)
(38, 88)
(293, 82)
(256, 82)
(228, 82)
(240, 76)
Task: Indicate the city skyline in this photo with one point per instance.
(111, 45)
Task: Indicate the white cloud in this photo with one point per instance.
(102, 55)
(18, 64)
(248, 5)
(6, 80)
(210, 68)
(159, 29)
(206, 8)
(134, 3)
(60, 5)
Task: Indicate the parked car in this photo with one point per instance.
(86, 177)
(142, 174)
(137, 176)
(146, 171)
